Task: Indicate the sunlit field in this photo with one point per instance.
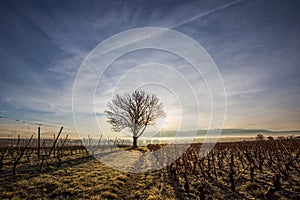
(232, 170)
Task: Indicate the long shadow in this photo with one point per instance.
(176, 188)
(33, 170)
(175, 183)
(131, 180)
(50, 165)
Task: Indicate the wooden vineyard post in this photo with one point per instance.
(52, 148)
(99, 141)
(19, 139)
(55, 141)
(99, 144)
(39, 142)
(60, 151)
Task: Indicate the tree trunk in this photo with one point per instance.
(134, 142)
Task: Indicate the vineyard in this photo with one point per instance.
(36, 154)
(239, 170)
(63, 168)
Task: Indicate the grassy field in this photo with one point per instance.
(84, 177)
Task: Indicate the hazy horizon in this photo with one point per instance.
(25, 130)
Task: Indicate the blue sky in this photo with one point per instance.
(255, 45)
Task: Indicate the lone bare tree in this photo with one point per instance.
(135, 111)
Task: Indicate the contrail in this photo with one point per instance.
(209, 12)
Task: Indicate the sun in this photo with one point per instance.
(160, 122)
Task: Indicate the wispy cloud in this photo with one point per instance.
(43, 44)
(204, 14)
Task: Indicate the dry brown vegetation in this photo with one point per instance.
(239, 170)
